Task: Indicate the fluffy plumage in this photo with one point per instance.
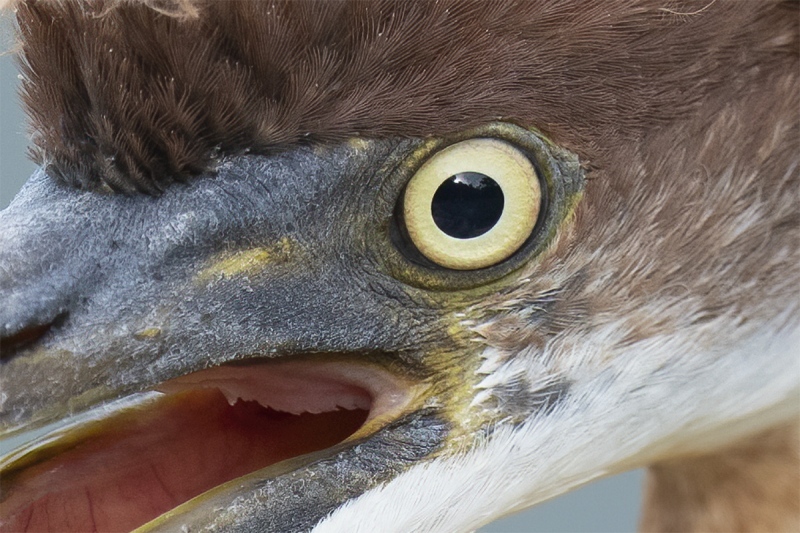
(132, 97)
(680, 264)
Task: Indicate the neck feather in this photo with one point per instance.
(751, 486)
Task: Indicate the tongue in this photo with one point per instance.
(138, 470)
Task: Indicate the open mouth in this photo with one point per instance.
(121, 470)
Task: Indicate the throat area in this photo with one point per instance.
(201, 431)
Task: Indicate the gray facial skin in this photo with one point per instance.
(295, 254)
(123, 279)
(124, 283)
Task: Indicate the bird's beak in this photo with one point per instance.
(228, 354)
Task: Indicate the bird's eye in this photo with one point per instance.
(473, 204)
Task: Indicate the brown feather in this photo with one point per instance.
(686, 111)
(133, 97)
(752, 486)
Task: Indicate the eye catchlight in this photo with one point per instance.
(473, 204)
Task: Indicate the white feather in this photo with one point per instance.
(659, 397)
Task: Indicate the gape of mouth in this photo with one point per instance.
(206, 428)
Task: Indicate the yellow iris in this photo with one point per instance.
(503, 164)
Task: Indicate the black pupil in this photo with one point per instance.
(467, 205)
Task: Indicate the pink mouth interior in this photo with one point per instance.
(210, 427)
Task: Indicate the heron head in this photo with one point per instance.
(297, 266)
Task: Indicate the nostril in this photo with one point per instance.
(11, 345)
